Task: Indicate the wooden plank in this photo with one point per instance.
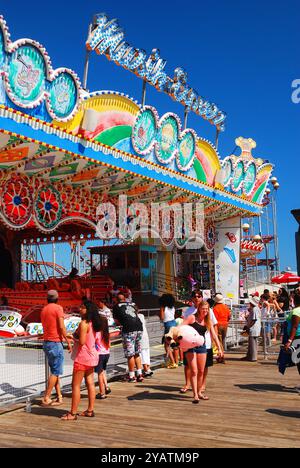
(248, 407)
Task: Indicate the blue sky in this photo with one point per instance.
(241, 55)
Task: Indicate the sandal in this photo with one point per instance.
(196, 401)
(108, 390)
(101, 396)
(202, 396)
(69, 416)
(87, 414)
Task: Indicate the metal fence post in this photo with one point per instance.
(46, 372)
(264, 339)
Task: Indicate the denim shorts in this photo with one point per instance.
(198, 350)
(103, 360)
(55, 355)
(168, 325)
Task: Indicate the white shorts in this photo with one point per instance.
(145, 356)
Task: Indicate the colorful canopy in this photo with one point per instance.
(286, 278)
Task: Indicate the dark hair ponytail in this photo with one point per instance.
(92, 315)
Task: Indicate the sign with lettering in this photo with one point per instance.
(109, 39)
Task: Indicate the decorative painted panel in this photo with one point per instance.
(26, 76)
(145, 130)
(29, 78)
(167, 138)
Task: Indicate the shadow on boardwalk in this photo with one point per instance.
(266, 388)
(288, 414)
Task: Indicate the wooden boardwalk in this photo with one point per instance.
(251, 405)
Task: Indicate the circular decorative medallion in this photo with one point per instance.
(186, 150)
(26, 76)
(144, 131)
(16, 201)
(250, 178)
(210, 236)
(167, 138)
(63, 96)
(227, 170)
(48, 207)
(238, 176)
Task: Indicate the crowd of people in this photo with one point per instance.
(90, 348)
(191, 338)
(270, 317)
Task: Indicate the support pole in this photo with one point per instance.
(87, 62)
(186, 112)
(275, 231)
(217, 138)
(78, 254)
(144, 93)
(54, 257)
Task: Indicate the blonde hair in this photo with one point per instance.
(207, 319)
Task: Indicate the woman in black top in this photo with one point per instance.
(283, 300)
(196, 357)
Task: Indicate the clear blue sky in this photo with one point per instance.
(241, 55)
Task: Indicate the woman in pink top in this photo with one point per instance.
(86, 357)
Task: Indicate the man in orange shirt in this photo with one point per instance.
(223, 315)
(52, 318)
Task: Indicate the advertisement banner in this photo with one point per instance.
(227, 258)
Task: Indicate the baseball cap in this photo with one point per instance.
(256, 294)
(219, 299)
(52, 293)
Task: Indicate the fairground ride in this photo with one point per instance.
(75, 163)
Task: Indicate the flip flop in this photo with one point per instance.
(203, 397)
(43, 403)
(183, 390)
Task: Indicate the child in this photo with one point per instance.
(145, 354)
(179, 321)
(103, 350)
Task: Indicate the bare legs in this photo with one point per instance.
(195, 373)
(53, 381)
(134, 361)
(76, 383)
(102, 382)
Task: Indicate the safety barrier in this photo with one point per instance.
(24, 369)
(267, 345)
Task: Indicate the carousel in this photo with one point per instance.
(65, 151)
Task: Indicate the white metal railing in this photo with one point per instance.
(24, 369)
(260, 276)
